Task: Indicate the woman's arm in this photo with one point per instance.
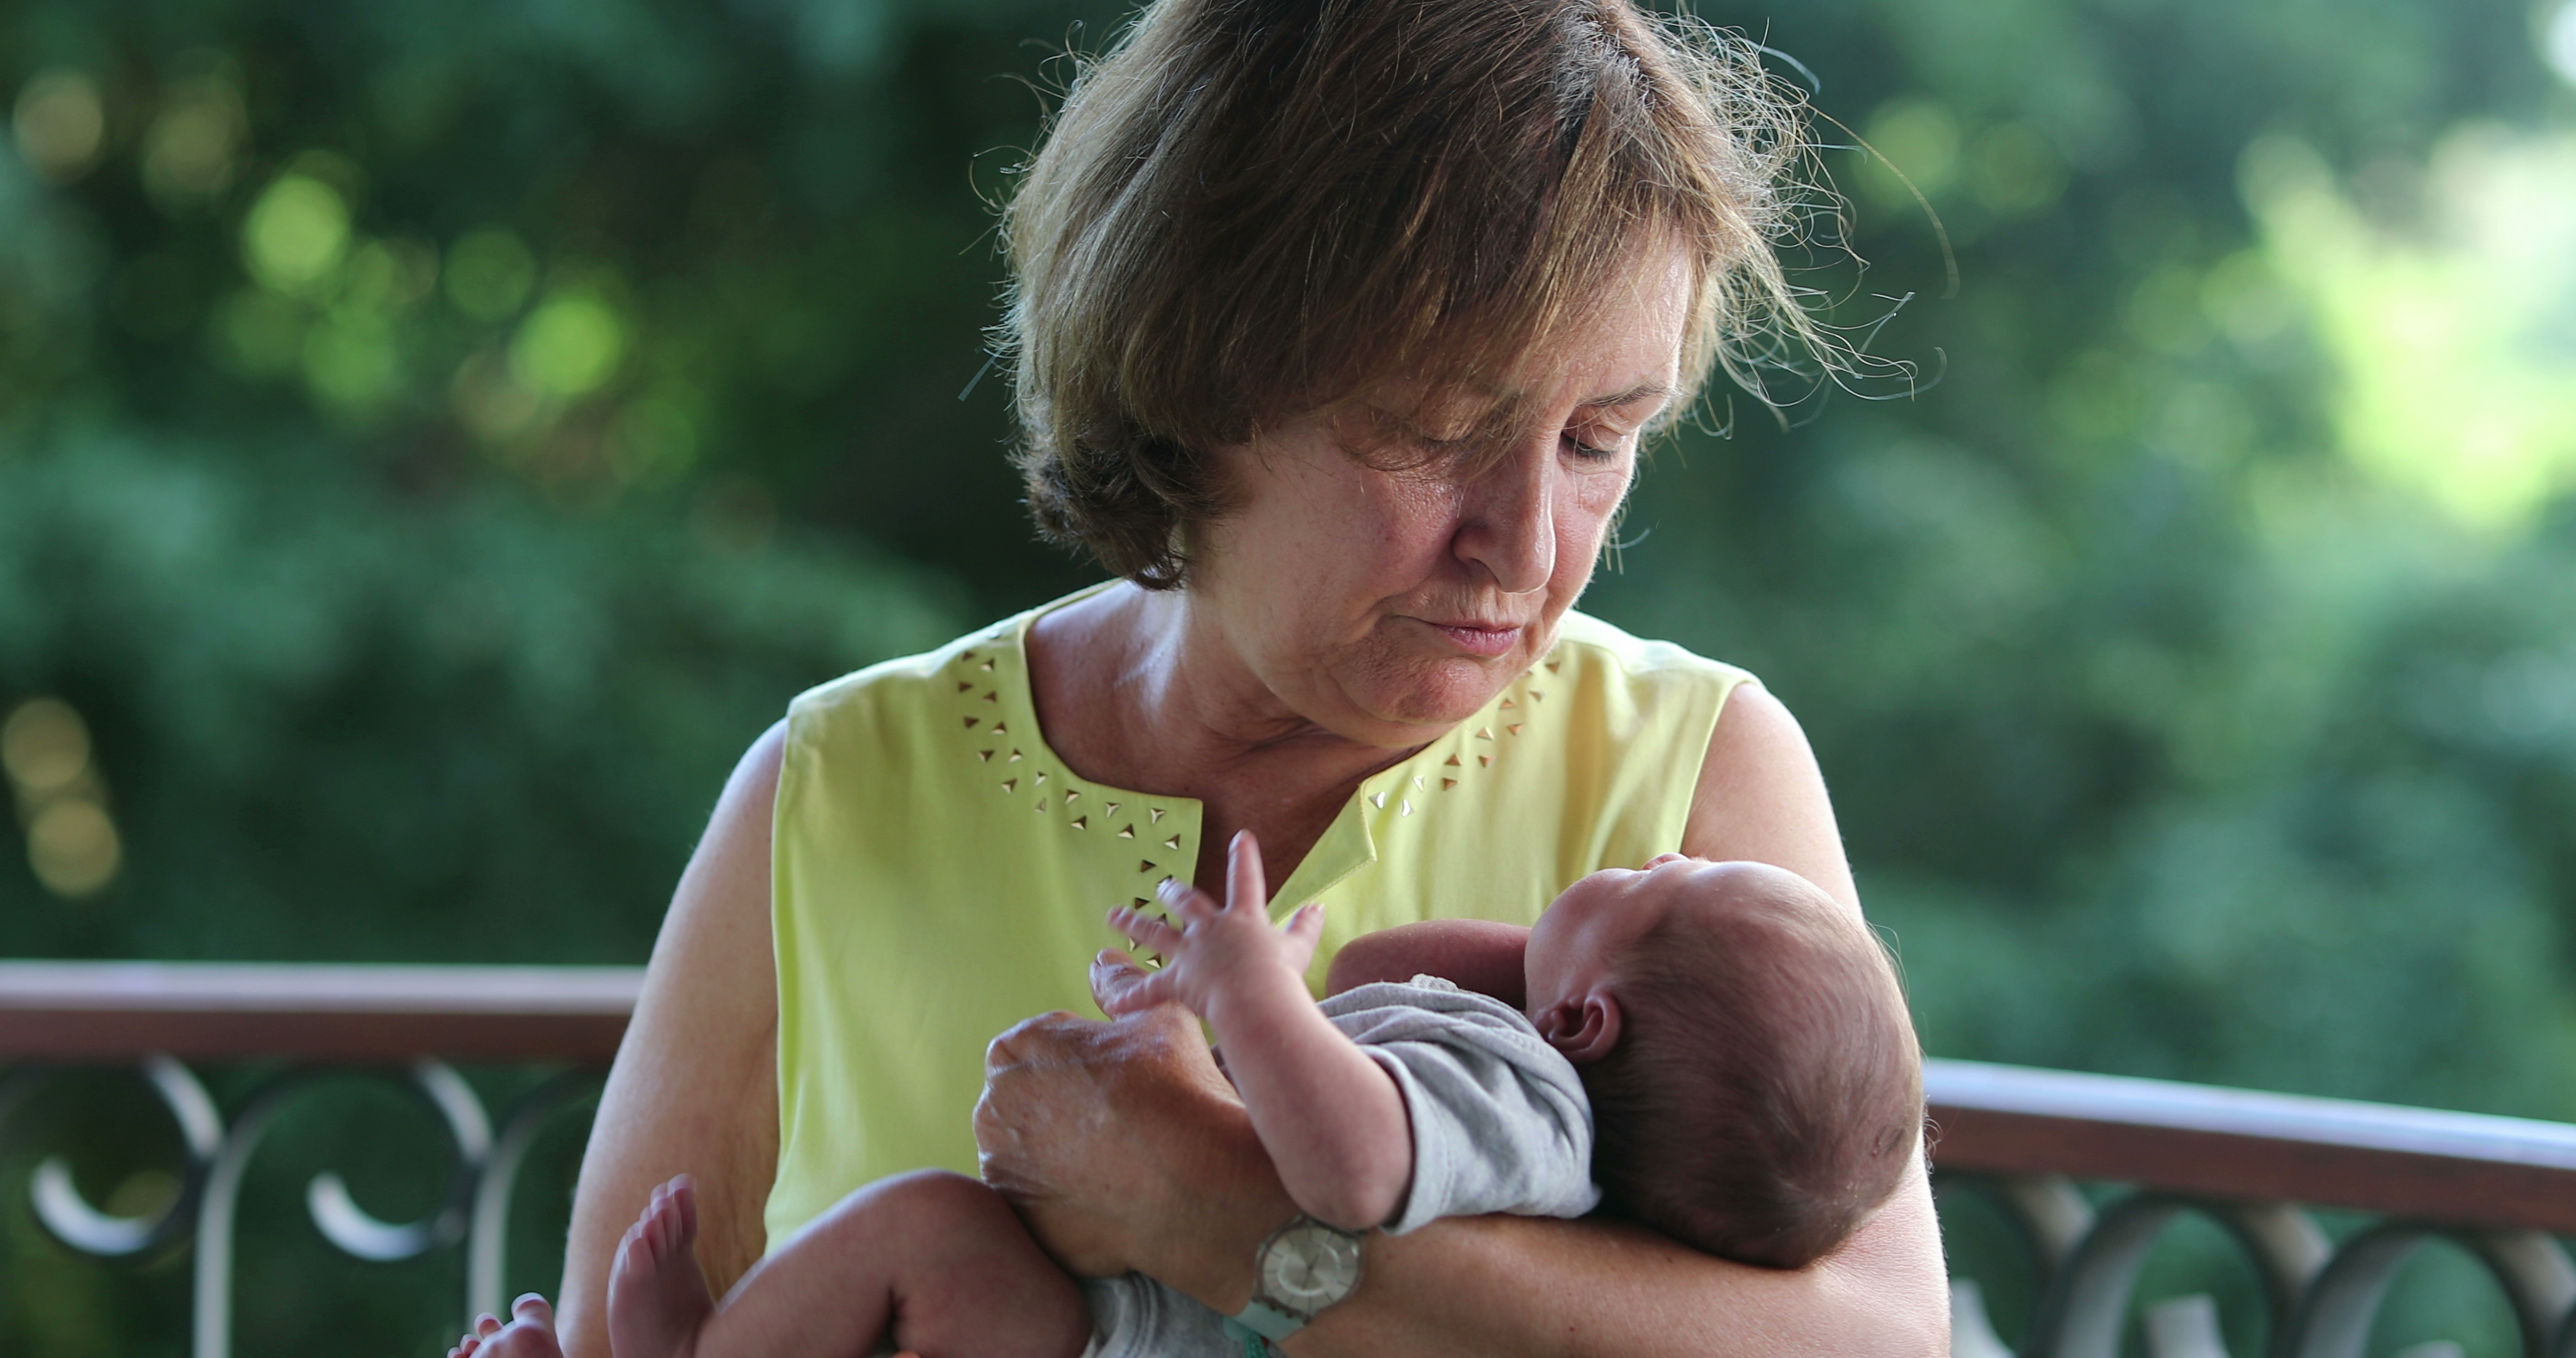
(1124, 1150)
(695, 1086)
(1127, 1152)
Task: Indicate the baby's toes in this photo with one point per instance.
(523, 1340)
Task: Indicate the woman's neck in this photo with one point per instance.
(1136, 689)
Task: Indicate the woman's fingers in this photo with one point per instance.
(1122, 987)
(1083, 1125)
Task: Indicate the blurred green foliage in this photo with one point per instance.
(436, 438)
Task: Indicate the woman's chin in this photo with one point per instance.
(1435, 696)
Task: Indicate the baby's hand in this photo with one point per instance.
(1216, 950)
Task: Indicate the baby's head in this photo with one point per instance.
(1756, 1088)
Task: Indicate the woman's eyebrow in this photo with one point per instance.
(1639, 392)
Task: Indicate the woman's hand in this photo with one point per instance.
(1125, 1149)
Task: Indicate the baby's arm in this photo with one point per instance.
(1331, 1118)
(1472, 954)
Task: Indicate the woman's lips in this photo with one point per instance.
(1480, 639)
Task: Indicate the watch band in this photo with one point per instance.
(1259, 1322)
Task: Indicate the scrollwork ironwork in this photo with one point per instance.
(474, 1210)
(2321, 1297)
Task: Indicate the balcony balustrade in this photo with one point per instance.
(2503, 1189)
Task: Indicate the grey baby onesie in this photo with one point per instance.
(1500, 1124)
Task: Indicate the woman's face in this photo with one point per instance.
(1387, 606)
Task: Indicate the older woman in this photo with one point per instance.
(1337, 327)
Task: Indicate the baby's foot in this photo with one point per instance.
(656, 1296)
(529, 1333)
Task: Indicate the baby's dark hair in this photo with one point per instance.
(1766, 1094)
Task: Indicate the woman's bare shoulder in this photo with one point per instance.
(715, 946)
(1761, 796)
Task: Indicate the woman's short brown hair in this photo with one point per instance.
(1252, 208)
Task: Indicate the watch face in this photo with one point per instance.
(1310, 1266)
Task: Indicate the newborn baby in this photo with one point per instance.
(1739, 1034)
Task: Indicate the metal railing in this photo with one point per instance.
(2501, 1188)
(2254, 1163)
(403, 1023)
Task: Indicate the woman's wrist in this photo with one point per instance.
(1226, 1200)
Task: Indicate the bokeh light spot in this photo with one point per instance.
(489, 403)
(2246, 299)
(44, 747)
(388, 275)
(73, 847)
(2447, 321)
(489, 274)
(1919, 140)
(2016, 170)
(2558, 41)
(652, 441)
(258, 333)
(60, 124)
(568, 347)
(296, 234)
(193, 149)
(351, 363)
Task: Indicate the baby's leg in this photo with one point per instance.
(935, 1263)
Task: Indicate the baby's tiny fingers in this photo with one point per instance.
(1145, 931)
(1191, 904)
(1306, 924)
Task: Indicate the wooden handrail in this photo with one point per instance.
(86, 1011)
(2465, 1169)
(2462, 1168)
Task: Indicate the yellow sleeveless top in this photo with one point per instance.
(938, 874)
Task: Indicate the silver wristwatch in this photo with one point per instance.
(1302, 1268)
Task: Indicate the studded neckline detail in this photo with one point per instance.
(988, 688)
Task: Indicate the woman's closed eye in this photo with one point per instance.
(1599, 444)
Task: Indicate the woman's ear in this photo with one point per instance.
(1585, 1028)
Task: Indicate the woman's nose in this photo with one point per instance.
(1509, 524)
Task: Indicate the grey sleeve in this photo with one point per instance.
(1500, 1123)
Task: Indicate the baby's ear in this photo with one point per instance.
(1583, 1029)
